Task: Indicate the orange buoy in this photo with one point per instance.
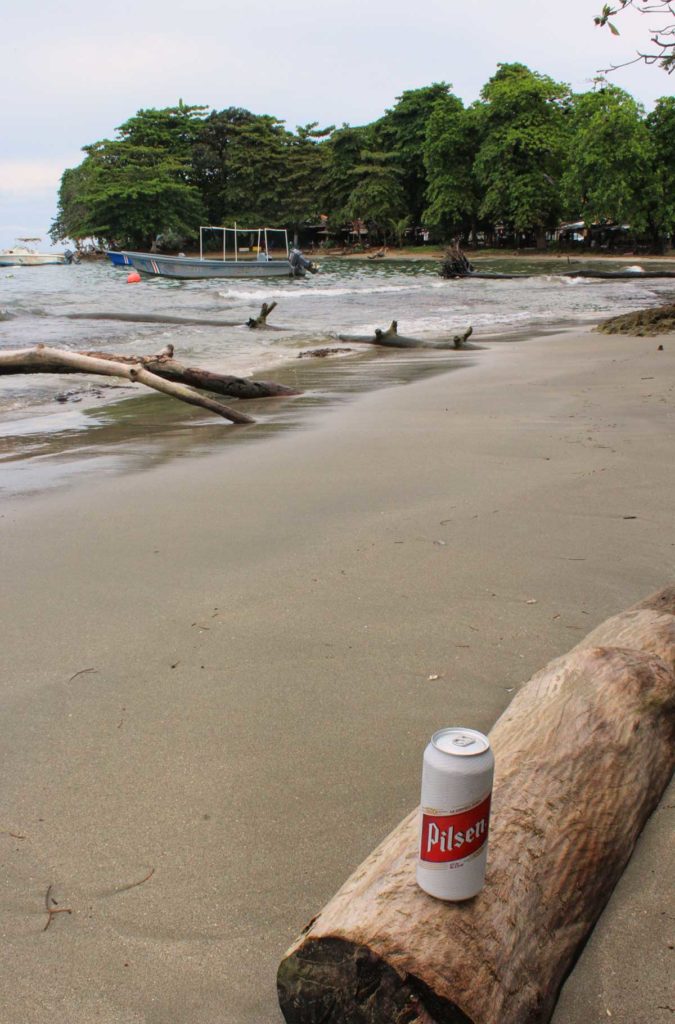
(133, 277)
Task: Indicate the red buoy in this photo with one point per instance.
(133, 277)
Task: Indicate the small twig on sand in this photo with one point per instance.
(53, 910)
(133, 885)
(82, 672)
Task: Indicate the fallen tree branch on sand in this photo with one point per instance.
(43, 359)
(393, 339)
(582, 756)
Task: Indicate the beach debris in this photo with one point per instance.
(656, 320)
(433, 677)
(261, 319)
(455, 263)
(52, 908)
(321, 353)
(161, 318)
(82, 672)
(531, 600)
(604, 712)
(159, 372)
(132, 885)
(391, 338)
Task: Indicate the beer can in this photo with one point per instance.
(457, 773)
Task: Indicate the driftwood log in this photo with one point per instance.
(455, 263)
(582, 756)
(261, 319)
(393, 339)
(165, 318)
(44, 359)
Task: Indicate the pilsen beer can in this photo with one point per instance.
(457, 776)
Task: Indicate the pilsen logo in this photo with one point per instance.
(448, 837)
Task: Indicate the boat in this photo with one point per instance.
(22, 256)
(118, 259)
(251, 260)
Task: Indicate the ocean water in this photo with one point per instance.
(53, 427)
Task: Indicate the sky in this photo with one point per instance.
(75, 71)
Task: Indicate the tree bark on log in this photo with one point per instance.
(582, 756)
(43, 359)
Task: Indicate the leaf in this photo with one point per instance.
(613, 29)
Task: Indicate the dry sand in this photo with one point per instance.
(225, 671)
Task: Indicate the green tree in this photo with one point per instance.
(609, 174)
(661, 128)
(450, 149)
(401, 133)
(523, 127)
(378, 197)
(343, 157)
(131, 189)
(238, 164)
(304, 175)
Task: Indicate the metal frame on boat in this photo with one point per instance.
(243, 261)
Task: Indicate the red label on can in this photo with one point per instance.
(448, 837)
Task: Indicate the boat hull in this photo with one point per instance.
(118, 259)
(189, 268)
(30, 259)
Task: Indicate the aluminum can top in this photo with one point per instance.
(460, 742)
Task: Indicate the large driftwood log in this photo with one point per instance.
(43, 359)
(165, 318)
(164, 365)
(582, 756)
(393, 339)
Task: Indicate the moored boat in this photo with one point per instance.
(118, 259)
(22, 256)
(237, 261)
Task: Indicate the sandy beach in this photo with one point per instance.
(219, 675)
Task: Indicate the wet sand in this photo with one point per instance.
(219, 675)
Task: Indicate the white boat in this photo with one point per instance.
(265, 254)
(21, 256)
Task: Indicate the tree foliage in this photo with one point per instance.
(609, 174)
(523, 142)
(509, 165)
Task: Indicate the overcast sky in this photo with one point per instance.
(74, 71)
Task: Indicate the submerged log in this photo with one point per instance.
(261, 319)
(455, 263)
(43, 359)
(582, 756)
(165, 318)
(392, 339)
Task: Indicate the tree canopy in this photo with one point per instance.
(507, 167)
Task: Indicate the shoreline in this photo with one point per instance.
(226, 668)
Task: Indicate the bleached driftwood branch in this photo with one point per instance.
(44, 359)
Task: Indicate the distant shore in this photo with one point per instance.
(221, 672)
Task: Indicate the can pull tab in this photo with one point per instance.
(463, 741)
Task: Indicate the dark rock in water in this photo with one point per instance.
(659, 320)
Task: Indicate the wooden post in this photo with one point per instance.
(583, 754)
